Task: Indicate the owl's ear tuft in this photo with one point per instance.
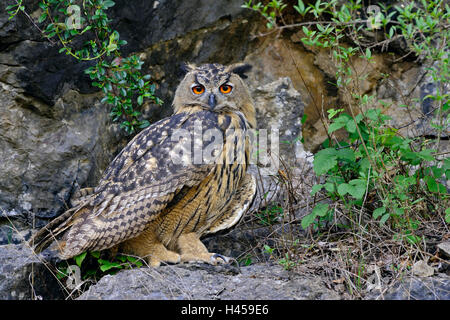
(186, 67)
(240, 69)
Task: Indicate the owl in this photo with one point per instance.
(181, 178)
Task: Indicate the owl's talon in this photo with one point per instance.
(215, 259)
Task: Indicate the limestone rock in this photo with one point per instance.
(444, 247)
(414, 288)
(410, 110)
(47, 150)
(279, 108)
(279, 150)
(422, 269)
(23, 276)
(201, 281)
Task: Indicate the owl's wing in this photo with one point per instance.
(151, 166)
(139, 184)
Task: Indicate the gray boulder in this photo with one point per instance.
(416, 288)
(201, 281)
(24, 276)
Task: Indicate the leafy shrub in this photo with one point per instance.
(83, 30)
(399, 175)
(386, 199)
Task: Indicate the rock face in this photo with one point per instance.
(268, 282)
(47, 150)
(280, 108)
(414, 288)
(23, 276)
(54, 133)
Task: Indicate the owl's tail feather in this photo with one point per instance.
(52, 231)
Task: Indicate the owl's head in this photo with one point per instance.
(215, 87)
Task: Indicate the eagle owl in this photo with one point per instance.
(163, 192)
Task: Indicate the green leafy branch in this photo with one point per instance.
(83, 29)
(400, 176)
(92, 266)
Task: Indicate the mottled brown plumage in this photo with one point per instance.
(160, 194)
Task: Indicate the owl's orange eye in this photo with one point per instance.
(198, 89)
(225, 88)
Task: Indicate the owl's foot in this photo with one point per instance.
(210, 258)
(193, 250)
(162, 255)
(219, 259)
(150, 248)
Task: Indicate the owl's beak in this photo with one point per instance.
(212, 100)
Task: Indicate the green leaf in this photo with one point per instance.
(320, 210)
(95, 254)
(446, 106)
(140, 100)
(86, 29)
(316, 188)
(426, 154)
(356, 188)
(351, 126)
(373, 114)
(329, 187)
(364, 166)
(43, 17)
(339, 122)
(335, 126)
(359, 188)
(333, 112)
(434, 186)
(144, 124)
(378, 212)
(305, 30)
(384, 219)
(135, 261)
(121, 258)
(108, 4)
(300, 7)
(112, 47)
(344, 188)
(399, 211)
(268, 249)
(346, 154)
(447, 215)
(307, 220)
(391, 32)
(446, 164)
(106, 265)
(303, 120)
(61, 273)
(437, 172)
(79, 258)
(324, 160)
